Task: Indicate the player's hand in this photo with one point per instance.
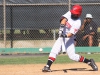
(84, 21)
(63, 35)
(60, 32)
(84, 37)
(61, 29)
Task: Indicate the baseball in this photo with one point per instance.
(40, 49)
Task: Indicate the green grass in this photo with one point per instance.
(43, 59)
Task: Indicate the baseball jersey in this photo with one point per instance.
(72, 26)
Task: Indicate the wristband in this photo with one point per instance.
(62, 25)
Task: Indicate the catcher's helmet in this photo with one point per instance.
(76, 9)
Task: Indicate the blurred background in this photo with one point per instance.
(35, 23)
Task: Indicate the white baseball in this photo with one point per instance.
(40, 49)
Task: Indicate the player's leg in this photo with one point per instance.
(52, 56)
(76, 57)
(90, 37)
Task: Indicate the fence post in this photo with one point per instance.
(4, 21)
(69, 4)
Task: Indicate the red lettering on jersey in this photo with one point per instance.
(68, 25)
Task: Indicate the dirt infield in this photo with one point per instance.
(57, 69)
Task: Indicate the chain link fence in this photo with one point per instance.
(35, 23)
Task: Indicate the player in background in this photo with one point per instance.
(69, 25)
(90, 29)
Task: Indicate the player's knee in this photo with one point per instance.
(74, 57)
(71, 57)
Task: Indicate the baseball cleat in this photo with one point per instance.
(46, 69)
(93, 65)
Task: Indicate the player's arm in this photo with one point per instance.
(83, 25)
(92, 33)
(69, 35)
(63, 22)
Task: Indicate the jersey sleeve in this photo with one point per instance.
(67, 15)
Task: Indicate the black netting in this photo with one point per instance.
(85, 1)
(35, 17)
(35, 1)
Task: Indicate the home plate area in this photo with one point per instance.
(57, 69)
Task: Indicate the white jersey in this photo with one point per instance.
(72, 26)
(67, 44)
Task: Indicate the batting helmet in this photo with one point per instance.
(76, 9)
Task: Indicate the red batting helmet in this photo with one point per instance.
(76, 9)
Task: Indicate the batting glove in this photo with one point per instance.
(62, 25)
(61, 29)
(63, 35)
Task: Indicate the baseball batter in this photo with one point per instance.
(69, 25)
